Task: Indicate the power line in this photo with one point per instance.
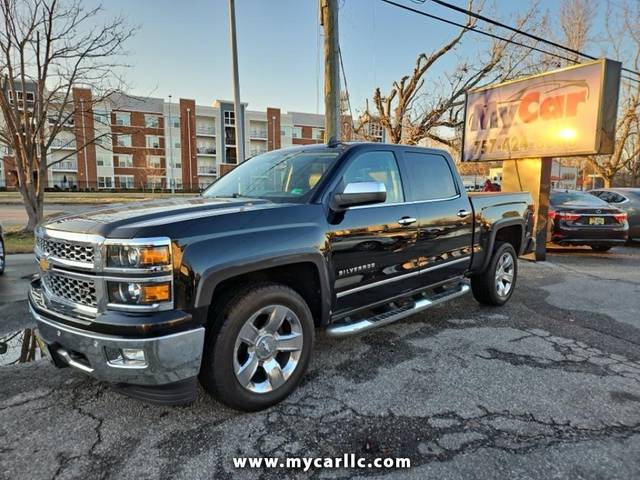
(517, 30)
(489, 34)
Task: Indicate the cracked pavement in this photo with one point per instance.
(546, 387)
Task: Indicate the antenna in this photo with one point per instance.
(333, 142)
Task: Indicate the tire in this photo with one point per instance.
(485, 286)
(237, 356)
(600, 248)
(2, 256)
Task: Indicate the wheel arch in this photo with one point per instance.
(304, 273)
(511, 230)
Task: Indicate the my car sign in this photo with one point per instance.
(565, 112)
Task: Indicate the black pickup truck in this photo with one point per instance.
(229, 287)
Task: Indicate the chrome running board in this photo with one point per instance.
(345, 329)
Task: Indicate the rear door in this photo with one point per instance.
(373, 246)
(445, 220)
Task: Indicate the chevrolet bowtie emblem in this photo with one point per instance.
(45, 265)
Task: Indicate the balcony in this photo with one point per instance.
(205, 131)
(207, 170)
(207, 151)
(259, 134)
(62, 144)
(65, 166)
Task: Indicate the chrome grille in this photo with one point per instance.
(65, 250)
(77, 291)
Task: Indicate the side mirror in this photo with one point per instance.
(359, 193)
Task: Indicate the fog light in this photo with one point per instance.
(125, 357)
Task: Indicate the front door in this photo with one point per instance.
(373, 247)
(444, 216)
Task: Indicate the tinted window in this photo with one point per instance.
(376, 167)
(562, 198)
(431, 177)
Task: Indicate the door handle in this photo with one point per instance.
(407, 221)
(463, 213)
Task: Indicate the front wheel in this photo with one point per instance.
(495, 285)
(258, 348)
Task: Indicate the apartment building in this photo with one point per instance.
(134, 143)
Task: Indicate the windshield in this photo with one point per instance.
(279, 175)
(562, 198)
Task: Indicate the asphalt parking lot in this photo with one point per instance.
(545, 387)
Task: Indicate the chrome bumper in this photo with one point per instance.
(169, 358)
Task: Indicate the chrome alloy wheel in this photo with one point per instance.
(504, 274)
(268, 349)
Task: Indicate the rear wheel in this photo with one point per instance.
(258, 348)
(495, 285)
(600, 248)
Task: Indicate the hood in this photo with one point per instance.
(132, 216)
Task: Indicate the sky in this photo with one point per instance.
(182, 47)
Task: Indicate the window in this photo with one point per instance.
(152, 141)
(123, 118)
(100, 118)
(176, 144)
(151, 121)
(229, 118)
(430, 175)
(154, 161)
(317, 133)
(279, 175)
(105, 182)
(296, 132)
(103, 159)
(125, 181)
(124, 161)
(123, 140)
(377, 167)
(175, 122)
(154, 182)
(570, 197)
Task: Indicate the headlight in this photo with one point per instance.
(139, 293)
(133, 256)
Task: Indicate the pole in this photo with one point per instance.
(189, 137)
(236, 84)
(84, 147)
(329, 21)
(273, 128)
(171, 178)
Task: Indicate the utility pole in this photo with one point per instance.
(329, 22)
(236, 84)
(171, 178)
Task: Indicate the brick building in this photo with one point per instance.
(148, 143)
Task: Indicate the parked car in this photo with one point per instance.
(2, 254)
(627, 200)
(228, 287)
(578, 218)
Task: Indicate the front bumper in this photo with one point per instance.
(169, 358)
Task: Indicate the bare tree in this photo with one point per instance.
(408, 116)
(48, 47)
(623, 42)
